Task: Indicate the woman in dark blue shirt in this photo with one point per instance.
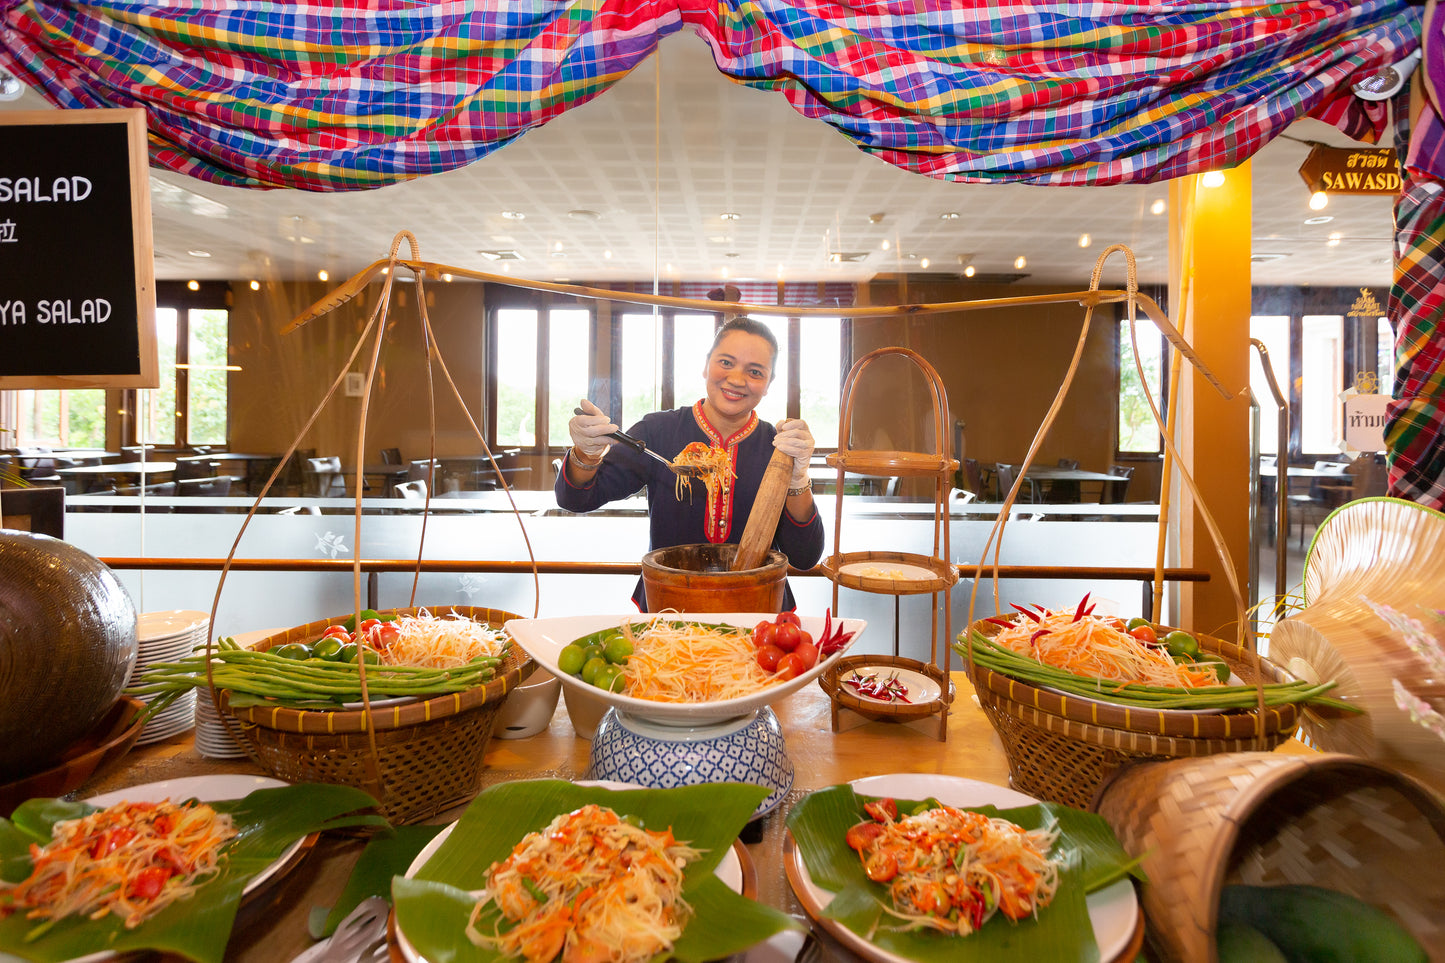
(738, 373)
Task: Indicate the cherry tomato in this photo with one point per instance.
(790, 666)
(337, 632)
(368, 624)
(768, 657)
(149, 882)
(763, 633)
(807, 651)
(881, 866)
(386, 633)
(1145, 633)
(882, 810)
(861, 834)
(786, 618)
(787, 636)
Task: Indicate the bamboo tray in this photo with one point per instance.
(923, 573)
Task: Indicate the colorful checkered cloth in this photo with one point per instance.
(348, 95)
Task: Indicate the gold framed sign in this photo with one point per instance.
(77, 269)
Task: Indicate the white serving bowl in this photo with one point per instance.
(529, 707)
(544, 639)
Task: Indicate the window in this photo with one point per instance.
(820, 376)
(1138, 433)
(515, 375)
(1322, 366)
(61, 419)
(557, 341)
(1273, 332)
(1385, 355)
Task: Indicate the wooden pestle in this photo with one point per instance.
(767, 508)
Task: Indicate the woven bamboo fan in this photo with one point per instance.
(1391, 553)
(1262, 818)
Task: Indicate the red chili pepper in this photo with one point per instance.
(1082, 609)
(1035, 637)
(1025, 612)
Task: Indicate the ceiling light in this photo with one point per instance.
(969, 271)
(514, 215)
(557, 246)
(606, 255)
(886, 244)
(1157, 207)
(199, 253)
(1212, 179)
(447, 278)
(731, 254)
(1334, 239)
(1020, 263)
(1085, 240)
(584, 215)
(194, 285)
(948, 216)
(852, 257)
(507, 255)
(322, 275)
(1387, 82)
(559, 254)
(1321, 219)
(876, 218)
(923, 264)
(730, 216)
(1319, 200)
(255, 285)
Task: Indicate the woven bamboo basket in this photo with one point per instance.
(1260, 818)
(1391, 553)
(1062, 747)
(428, 753)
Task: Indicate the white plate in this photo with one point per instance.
(543, 639)
(921, 689)
(158, 626)
(1113, 910)
(892, 571)
(729, 870)
(204, 788)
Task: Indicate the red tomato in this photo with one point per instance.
(337, 631)
(807, 651)
(883, 810)
(787, 636)
(1145, 633)
(368, 624)
(861, 834)
(386, 633)
(768, 657)
(148, 882)
(763, 633)
(790, 666)
(787, 617)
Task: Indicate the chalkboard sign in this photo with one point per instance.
(77, 274)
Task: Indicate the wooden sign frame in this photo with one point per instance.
(145, 371)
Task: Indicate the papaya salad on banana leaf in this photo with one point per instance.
(1132, 662)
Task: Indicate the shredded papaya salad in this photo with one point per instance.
(130, 859)
(713, 465)
(692, 662)
(1097, 646)
(952, 869)
(590, 886)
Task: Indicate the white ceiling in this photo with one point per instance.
(655, 193)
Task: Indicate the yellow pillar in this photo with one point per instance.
(1209, 299)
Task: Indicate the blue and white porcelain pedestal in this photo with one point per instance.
(748, 748)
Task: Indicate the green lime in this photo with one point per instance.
(1134, 623)
(293, 650)
(350, 652)
(1221, 669)
(595, 650)
(617, 650)
(591, 668)
(571, 659)
(328, 648)
(609, 677)
(1181, 643)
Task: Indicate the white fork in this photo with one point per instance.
(356, 936)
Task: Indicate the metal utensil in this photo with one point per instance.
(637, 443)
(356, 938)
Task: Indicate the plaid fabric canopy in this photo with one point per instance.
(348, 95)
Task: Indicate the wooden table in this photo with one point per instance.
(1074, 480)
(821, 757)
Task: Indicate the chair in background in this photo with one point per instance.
(37, 465)
(391, 456)
(1064, 490)
(325, 477)
(216, 486)
(38, 510)
(1004, 476)
(157, 490)
(1116, 492)
(188, 468)
(973, 477)
(1326, 493)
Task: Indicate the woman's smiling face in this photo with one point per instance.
(738, 373)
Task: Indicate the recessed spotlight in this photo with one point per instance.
(1334, 239)
(557, 246)
(1320, 219)
(1319, 200)
(970, 271)
(886, 244)
(923, 264)
(1085, 240)
(514, 215)
(1020, 263)
(199, 253)
(607, 255)
(948, 216)
(255, 285)
(559, 254)
(194, 285)
(322, 276)
(447, 278)
(730, 216)
(1212, 179)
(1157, 207)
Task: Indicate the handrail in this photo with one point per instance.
(375, 566)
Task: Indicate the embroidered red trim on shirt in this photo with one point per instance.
(717, 523)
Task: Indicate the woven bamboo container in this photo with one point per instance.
(1262, 818)
(428, 753)
(1389, 552)
(1062, 747)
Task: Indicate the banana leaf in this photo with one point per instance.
(385, 856)
(268, 820)
(1061, 931)
(432, 908)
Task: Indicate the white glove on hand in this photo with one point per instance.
(794, 438)
(589, 432)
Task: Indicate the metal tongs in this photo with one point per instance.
(690, 471)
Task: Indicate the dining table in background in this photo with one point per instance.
(83, 478)
(1048, 477)
(255, 467)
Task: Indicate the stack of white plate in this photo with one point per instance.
(168, 637)
(213, 739)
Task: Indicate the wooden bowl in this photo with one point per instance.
(99, 749)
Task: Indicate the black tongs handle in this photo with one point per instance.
(630, 441)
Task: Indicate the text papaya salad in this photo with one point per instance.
(132, 859)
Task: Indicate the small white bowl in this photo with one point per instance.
(529, 707)
(585, 709)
